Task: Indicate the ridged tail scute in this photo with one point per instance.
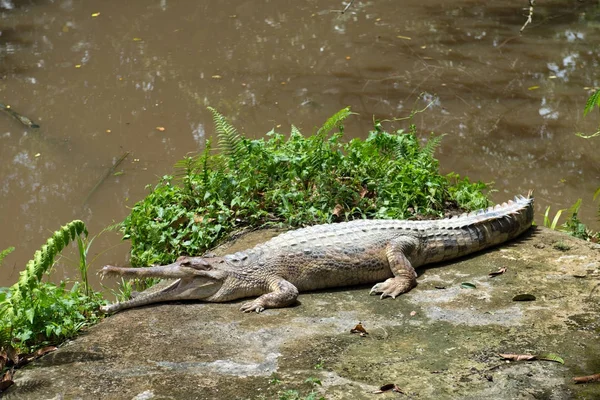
(519, 211)
(475, 231)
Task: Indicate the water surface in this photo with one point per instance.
(101, 77)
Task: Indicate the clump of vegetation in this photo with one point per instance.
(35, 313)
(562, 246)
(573, 225)
(311, 385)
(291, 181)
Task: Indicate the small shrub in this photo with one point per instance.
(291, 181)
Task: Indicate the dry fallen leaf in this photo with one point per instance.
(531, 357)
(499, 272)
(6, 380)
(524, 297)
(360, 330)
(587, 379)
(44, 350)
(26, 358)
(12, 354)
(386, 388)
(518, 357)
(337, 210)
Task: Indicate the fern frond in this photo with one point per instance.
(185, 167)
(593, 100)
(334, 121)
(432, 144)
(186, 163)
(230, 141)
(43, 259)
(5, 336)
(295, 131)
(5, 252)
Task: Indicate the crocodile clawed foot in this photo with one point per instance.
(393, 287)
(252, 306)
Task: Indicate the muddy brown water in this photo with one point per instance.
(101, 77)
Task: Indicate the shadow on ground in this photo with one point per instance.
(438, 341)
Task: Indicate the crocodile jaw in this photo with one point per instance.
(180, 289)
(196, 279)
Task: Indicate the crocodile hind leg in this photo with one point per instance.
(405, 277)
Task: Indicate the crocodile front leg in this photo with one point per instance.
(405, 277)
(282, 294)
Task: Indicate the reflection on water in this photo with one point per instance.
(101, 77)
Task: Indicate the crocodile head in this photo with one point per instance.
(196, 278)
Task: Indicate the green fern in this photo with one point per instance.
(334, 121)
(432, 144)
(5, 333)
(43, 259)
(593, 100)
(295, 131)
(230, 141)
(318, 148)
(191, 166)
(5, 252)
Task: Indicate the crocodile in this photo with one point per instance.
(330, 255)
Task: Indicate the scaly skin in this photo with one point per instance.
(331, 255)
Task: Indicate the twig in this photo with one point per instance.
(347, 6)
(531, 4)
(106, 175)
(587, 379)
(19, 117)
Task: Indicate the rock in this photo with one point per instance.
(447, 349)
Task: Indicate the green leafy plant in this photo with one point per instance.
(33, 312)
(592, 102)
(552, 224)
(292, 394)
(573, 225)
(5, 252)
(291, 181)
(42, 260)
